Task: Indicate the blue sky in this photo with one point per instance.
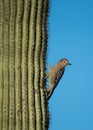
(71, 36)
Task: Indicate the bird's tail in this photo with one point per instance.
(50, 92)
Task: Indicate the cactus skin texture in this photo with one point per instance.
(23, 48)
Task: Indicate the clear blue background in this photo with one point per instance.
(71, 36)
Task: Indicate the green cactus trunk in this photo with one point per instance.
(23, 47)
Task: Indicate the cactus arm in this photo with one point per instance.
(23, 47)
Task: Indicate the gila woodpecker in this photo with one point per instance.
(55, 74)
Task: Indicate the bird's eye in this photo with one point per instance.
(64, 61)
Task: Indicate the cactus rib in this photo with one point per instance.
(12, 67)
(25, 38)
(1, 61)
(18, 60)
(6, 66)
(31, 48)
(44, 103)
(37, 65)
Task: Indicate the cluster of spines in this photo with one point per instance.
(23, 47)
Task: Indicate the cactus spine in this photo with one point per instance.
(23, 46)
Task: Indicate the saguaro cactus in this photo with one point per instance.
(23, 46)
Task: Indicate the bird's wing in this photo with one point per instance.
(59, 74)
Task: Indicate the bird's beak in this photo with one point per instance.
(69, 63)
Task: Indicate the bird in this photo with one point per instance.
(55, 74)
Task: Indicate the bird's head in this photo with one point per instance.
(64, 62)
